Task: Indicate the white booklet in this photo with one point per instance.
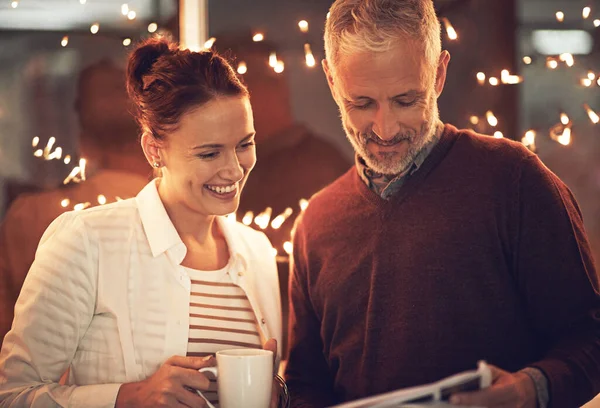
(430, 394)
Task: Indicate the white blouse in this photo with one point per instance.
(108, 299)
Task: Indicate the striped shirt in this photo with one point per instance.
(220, 318)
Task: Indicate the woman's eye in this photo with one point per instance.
(207, 156)
(247, 145)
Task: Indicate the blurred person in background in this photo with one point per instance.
(115, 168)
(292, 161)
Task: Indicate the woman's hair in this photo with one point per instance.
(165, 82)
(375, 25)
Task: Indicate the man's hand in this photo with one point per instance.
(508, 390)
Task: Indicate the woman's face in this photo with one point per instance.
(206, 161)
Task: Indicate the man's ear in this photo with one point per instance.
(441, 71)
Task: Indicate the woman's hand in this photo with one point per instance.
(173, 385)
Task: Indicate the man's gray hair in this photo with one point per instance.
(375, 25)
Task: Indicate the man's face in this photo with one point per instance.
(388, 103)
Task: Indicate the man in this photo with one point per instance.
(116, 168)
(440, 248)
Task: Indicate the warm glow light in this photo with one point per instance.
(263, 219)
(248, 217)
(591, 76)
(481, 78)
(65, 203)
(152, 27)
(67, 159)
(598, 81)
(527, 60)
(209, 43)
(14, 4)
(127, 42)
(65, 41)
(95, 28)
(288, 247)
(72, 175)
(49, 146)
(586, 82)
(498, 135)
(125, 9)
(273, 60)
(101, 199)
(131, 15)
(560, 16)
(308, 55)
(327, 16)
(507, 78)
(82, 163)
(567, 59)
(474, 120)
(35, 141)
(494, 81)
(258, 37)
(492, 120)
(280, 219)
(279, 67)
(593, 115)
(82, 1)
(597, 22)
(552, 63)
(38, 153)
(242, 68)
(564, 119)
(449, 29)
(57, 154)
(81, 206)
(303, 24)
(586, 12)
(565, 138)
(303, 204)
(529, 138)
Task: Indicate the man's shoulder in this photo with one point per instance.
(489, 147)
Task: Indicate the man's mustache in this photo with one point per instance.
(372, 137)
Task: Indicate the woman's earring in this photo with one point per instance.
(156, 165)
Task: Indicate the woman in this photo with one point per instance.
(132, 298)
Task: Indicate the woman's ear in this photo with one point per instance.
(152, 150)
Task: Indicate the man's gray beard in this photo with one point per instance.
(396, 166)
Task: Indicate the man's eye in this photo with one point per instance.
(406, 104)
(362, 105)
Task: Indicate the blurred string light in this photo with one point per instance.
(95, 28)
(498, 135)
(564, 119)
(551, 63)
(529, 139)
(303, 25)
(152, 27)
(450, 31)
(131, 15)
(248, 217)
(258, 37)
(494, 81)
(593, 115)
(273, 59)
(507, 78)
(65, 202)
(242, 68)
(288, 247)
(597, 22)
(67, 159)
(82, 1)
(481, 78)
(65, 41)
(14, 4)
(101, 199)
(586, 12)
(527, 60)
(127, 42)
(81, 206)
(35, 141)
(586, 82)
(560, 16)
(263, 219)
(474, 120)
(565, 138)
(308, 56)
(303, 203)
(491, 118)
(279, 67)
(125, 9)
(280, 219)
(209, 43)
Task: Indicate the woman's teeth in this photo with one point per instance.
(222, 190)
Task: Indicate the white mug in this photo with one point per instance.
(244, 376)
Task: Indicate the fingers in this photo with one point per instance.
(192, 379)
(194, 363)
(490, 397)
(271, 345)
(190, 399)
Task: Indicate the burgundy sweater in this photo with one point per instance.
(482, 254)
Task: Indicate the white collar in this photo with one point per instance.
(163, 237)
